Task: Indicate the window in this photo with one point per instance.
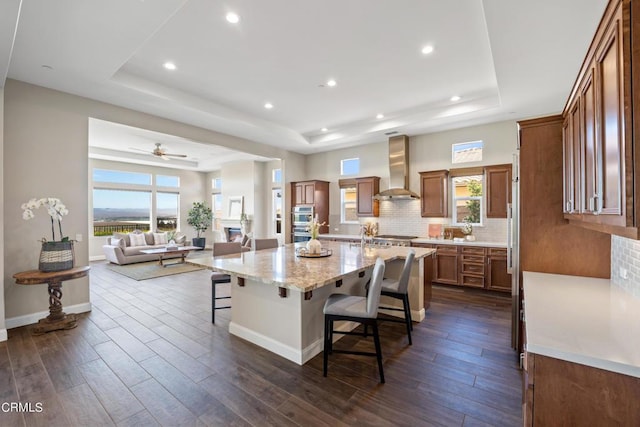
(350, 166)
(216, 184)
(276, 197)
(120, 211)
(348, 212)
(120, 177)
(467, 199)
(466, 152)
(167, 181)
(167, 208)
(276, 175)
(216, 202)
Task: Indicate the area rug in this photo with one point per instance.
(151, 270)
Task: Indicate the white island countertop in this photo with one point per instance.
(583, 320)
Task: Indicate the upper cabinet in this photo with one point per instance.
(433, 194)
(366, 188)
(498, 188)
(598, 133)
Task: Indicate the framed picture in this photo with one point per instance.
(235, 207)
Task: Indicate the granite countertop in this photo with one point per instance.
(422, 240)
(281, 266)
(583, 320)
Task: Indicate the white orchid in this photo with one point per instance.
(55, 208)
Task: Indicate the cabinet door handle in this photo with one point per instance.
(596, 205)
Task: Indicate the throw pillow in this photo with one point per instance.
(148, 235)
(123, 237)
(160, 238)
(138, 240)
(245, 239)
(118, 242)
(180, 239)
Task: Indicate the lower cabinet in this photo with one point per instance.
(445, 267)
(562, 393)
(470, 266)
(498, 279)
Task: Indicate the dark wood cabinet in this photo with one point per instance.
(472, 266)
(498, 279)
(600, 172)
(366, 188)
(434, 197)
(445, 266)
(316, 194)
(498, 189)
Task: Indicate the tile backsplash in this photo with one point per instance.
(402, 217)
(625, 258)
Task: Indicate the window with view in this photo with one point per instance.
(467, 152)
(468, 199)
(167, 208)
(120, 211)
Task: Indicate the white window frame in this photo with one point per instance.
(454, 216)
(342, 166)
(453, 151)
(343, 205)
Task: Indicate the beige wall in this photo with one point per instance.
(45, 154)
(3, 331)
(193, 188)
(427, 152)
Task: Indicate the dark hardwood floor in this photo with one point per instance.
(148, 355)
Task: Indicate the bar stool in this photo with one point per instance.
(260, 244)
(399, 289)
(219, 249)
(359, 309)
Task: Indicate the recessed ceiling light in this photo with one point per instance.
(455, 98)
(331, 83)
(233, 18)
(169, 66)
(268, 106)
(380, 116)
(324, 129)
(427, 50)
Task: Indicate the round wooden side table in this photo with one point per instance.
(57, 319)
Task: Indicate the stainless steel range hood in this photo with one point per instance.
(398, 171)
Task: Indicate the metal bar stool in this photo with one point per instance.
(219, 249)
(359, 309)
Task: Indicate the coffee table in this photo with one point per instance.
(162, 252)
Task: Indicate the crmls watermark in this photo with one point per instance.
(21, 407)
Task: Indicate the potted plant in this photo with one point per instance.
(200, 218)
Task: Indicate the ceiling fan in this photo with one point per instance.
(161, 152)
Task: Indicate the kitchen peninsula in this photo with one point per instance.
(277, 297)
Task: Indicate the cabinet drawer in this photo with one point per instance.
(498, 252)
(473, 251)
(447, 249)
(478, 259)
(473, 281)
(477, 269)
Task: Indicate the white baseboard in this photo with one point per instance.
(270, 344)
(3, 335)
(29, 319)
(97, 258)
(297, 356)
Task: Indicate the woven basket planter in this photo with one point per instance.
(56, 256)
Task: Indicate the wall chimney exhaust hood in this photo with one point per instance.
(398, 171)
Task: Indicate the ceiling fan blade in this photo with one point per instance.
(140, 149)
(174, 155)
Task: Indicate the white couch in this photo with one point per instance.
(119, 250)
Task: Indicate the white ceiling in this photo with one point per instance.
(507, 59)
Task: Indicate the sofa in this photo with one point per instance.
(125, 248)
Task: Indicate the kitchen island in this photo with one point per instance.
(277, 296)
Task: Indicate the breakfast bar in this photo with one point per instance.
(278, 296)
